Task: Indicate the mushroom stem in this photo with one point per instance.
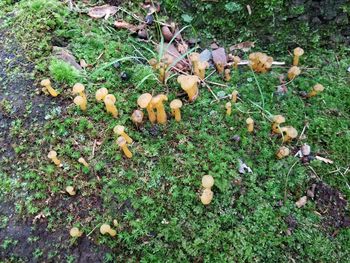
(101, 94)
(46, 83)
(81, 102)
(227, 75)
(126, 151)
(250, 124)
(234, 96)
(177, 114)
(109, 101)
(83, 162)
(151, 114)
(228, 107)
(157, 102)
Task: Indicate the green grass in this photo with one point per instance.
(155, 195)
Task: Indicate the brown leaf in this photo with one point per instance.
(182, 48)
(167, 34)
(301, 202)
(245, 46)
(125, 25)
(174, 53)
(102, 11)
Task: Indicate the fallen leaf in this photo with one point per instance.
(167, 34)
(301, 202)
(102, 11)
(325, 160)
(182, 48)
(174, 53)
(205, 55)
(245, 46)
(125, 25)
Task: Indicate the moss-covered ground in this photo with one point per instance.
(154, 196)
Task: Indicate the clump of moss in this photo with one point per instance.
(62, 72)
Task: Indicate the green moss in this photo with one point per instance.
(62, 72)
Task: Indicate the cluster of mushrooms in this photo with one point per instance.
(155, 108)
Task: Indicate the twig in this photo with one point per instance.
(302, 132)
(209, 88)
(92, 231)
(217, 84)
(93, 150)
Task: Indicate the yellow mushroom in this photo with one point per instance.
(227, 76)
(157, 103)
(207, 196)
(282, 152)
(277, 121)
(137, 117)
(289, 133)
(207, 181)
(298, 52)
(194, 58)
(175, 106)
(228, 107)
(202, 66)
(101, 94)
(81, 102)
(70, 190)
(120, 130)
(234, 95)
(106, 229)
(122, 144)
(153, 63)
(293, 72)
(250, 124)
(220, 67)
(46, 83)
(75, 232)
(83, 162)
(53, 157)
(79, 89)
(318, 88)
(236, 60)
(109, 101)
(144, 101)
(190, 85)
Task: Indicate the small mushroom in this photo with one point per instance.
(318, 88)
(106, 229)
(293, 72)
(250, 124)
(75, 232)
(158, 103)
(53, 157)
(207, 181)
(101, 94)
(122, 144)
(109, 101)
(220, 67)
(202, 66)
(289, 133)
(70, 190)
(153, 63)
(195, 59)
(234, 95)
(80, 102)
(298, 52)
(260, 62)
(190, 85)
(228, 107)
(282, 152)
(46, 83)
(144, 101)
(83, 162)
(236, 60)
(227, 76)
(277, 121)
(79, 89)
(120, 130)
(175, 106)
(137, 118)
(207, 196)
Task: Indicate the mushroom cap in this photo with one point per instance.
(253, 56)
(175, 104)
(121, 141)
(70, 189)
(298, 51)
(234, 93)
(236, 59)
(290, 131)
(295, 70)
(203, 65)
(228, 105)
(207, 196)
(45, 82)
(227, 71)
(75, 232)
(279, 119)
(207, 181)
(318, 87)
(77, 88)
(78, 100)
(101, 93)
(159, 99)
(284, 150)
(249, 121)
(81, 160)
(52, 154)
(187, 82)
(105, 228)
(119, 129)
(153, 62)
(137, 116)
(144, 100)
(168, 59)
(111, 98)
(194, 56)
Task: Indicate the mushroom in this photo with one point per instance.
(75, 232)
(250, 124)
(318, 88)
(122, 144)
(83, 162)
(53, 157)
(101, 94)
(293, 72)
(162, 72)
(282, 152)
(277, 121)
(236, 60)
(157, 102)
(228, 107)
(80, 102)
(298, 52)
(289, 133)
(46, 83)
(260, 62)
(227, 76)
(190, 85)
(79, 89)
(144, 101)
(109, 101)
(207, 181)
(195, 59)
(153, 63)
(202, 66)
(234, 95)
(220, 67)
(70, 190)
(137, 117)
(105, 228)
(120, 130)
(175, 106)
(207, 196)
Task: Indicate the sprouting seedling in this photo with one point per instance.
(158, 103)
(144, 101)
(175, 106)
(75, 232)
(120, 130)
(46, 83)
(53, 157)
(106, 229)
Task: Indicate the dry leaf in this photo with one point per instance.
(301, 202)
(125, 25)
(325, 160)
(102, 11)
(245, 46)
